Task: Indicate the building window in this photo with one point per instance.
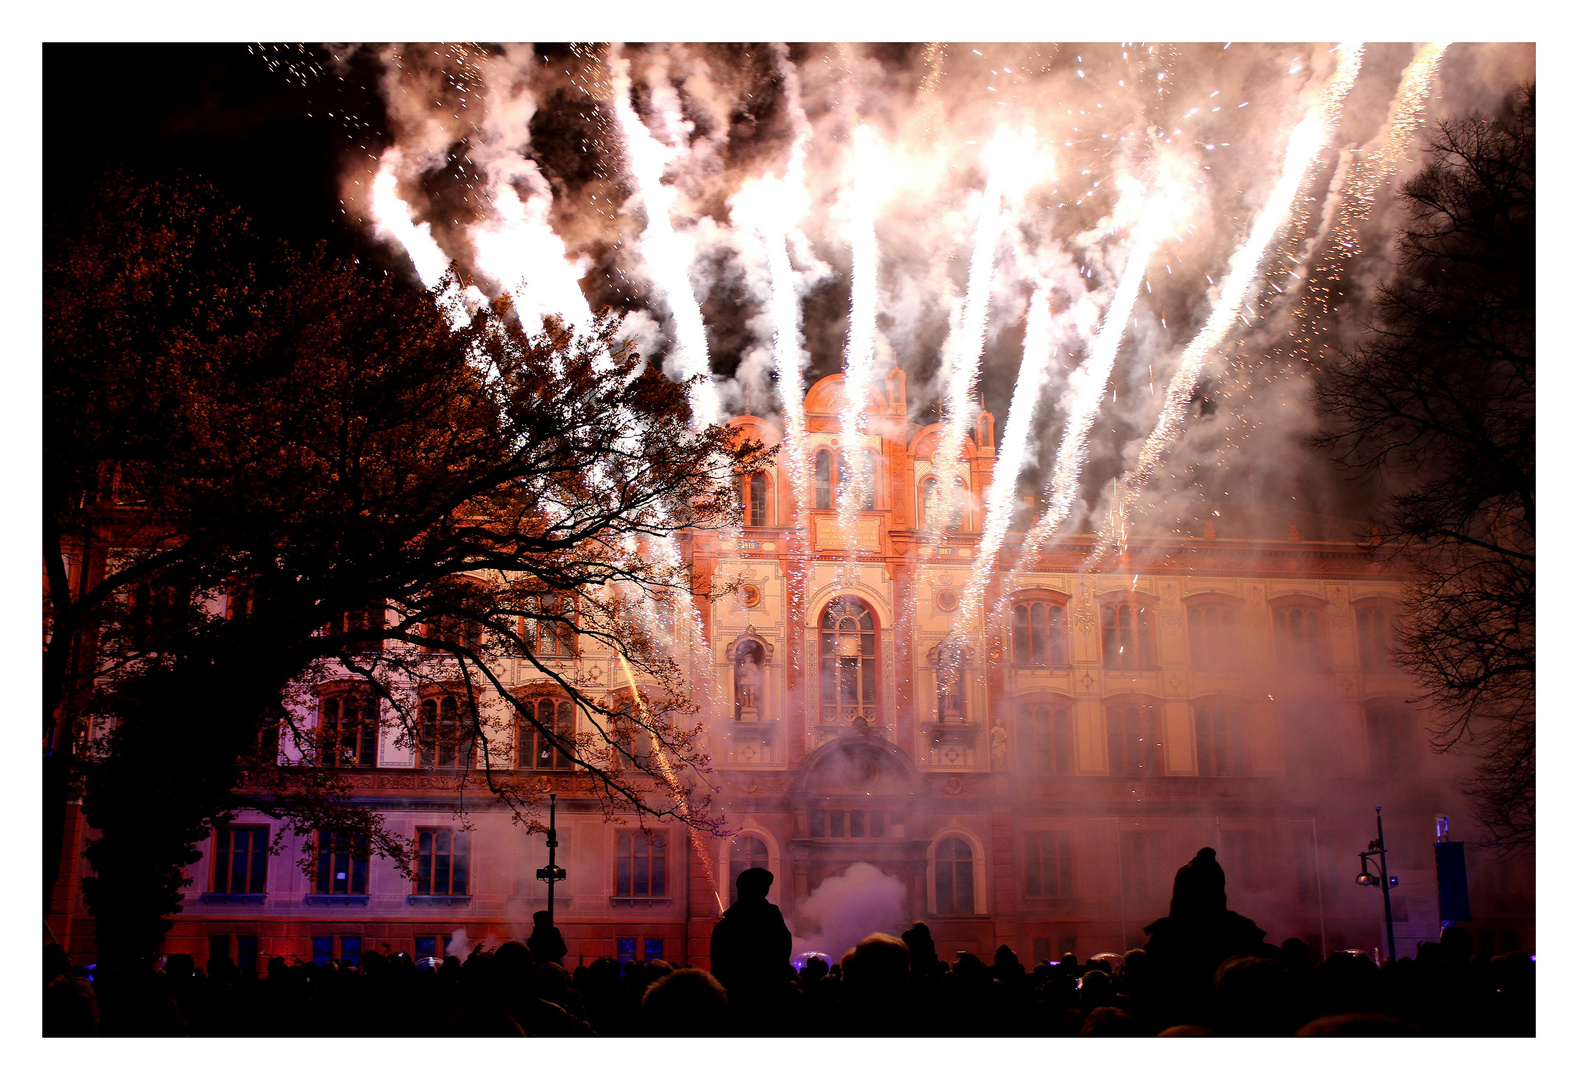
(1388, 729)
(544, 746)
(749, 658)
(1048, 738)
(342, 859)
(444, 734)
(1127, 640)
(1296, 628)
(241, 859)
(955, 877)
(1049, 865)
(1377, 626)
(1140, 863)
(1220, 748)
(549, 626)
(753, 491)
(1214, 635)
(443, 860)
(745, 851)
(1038, 636)
(935, 516)
(948, 676)
(822, 479)
(1238, 860)
(363, 628)
(848, 650)
(640, 866)
(847, 479)
(348, 729)
(1134, 742)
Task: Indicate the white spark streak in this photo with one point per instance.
(668, 258)
(1036, 367)
(860, 352)
(1089, 382)
(1304, 144)
(964, 354)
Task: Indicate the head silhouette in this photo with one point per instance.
(1199, 888)
(753, 882)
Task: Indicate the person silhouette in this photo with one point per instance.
(750, 948)
(547, 943)
(1186, 946)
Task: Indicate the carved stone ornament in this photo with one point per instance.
(953, 785)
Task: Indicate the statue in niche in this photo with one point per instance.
(1000, 747)
(748, 681)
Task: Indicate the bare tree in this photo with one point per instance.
(247, 447)
(1438, 399)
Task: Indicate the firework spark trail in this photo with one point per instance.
(1036, 367)
(1088, 384)
(964, 354)
(666, 256)
(860, 353)
(1306, 142)
(1376, 165)
(520, 250)
(675, 789)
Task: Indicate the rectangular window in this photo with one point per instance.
(625, 951)
(1140, 856)
(323, 950)
(640, 865)
(1049, 865)
(342, 864)
(425, 947)
(654, 947)
(857, 822)
(241, 859)
(1237, 861)
(351, 951)
(819, 823)
(877, 822)
(247, 952)
(836, 823)
(443, 859)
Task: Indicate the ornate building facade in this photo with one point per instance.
(1196, 691)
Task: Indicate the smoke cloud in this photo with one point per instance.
(846, 907)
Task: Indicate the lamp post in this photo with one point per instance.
(553, 871)
(1378, 851)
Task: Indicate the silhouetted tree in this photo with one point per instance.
(1438, 397)
(245, 447)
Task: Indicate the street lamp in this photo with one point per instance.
(1377, 875)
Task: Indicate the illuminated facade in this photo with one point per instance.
(1230, 693)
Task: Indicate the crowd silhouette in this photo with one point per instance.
(1205, 970)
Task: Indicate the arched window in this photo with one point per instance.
(847, 478)
(956, 877)
(935, 516)
(1220, 745)
(1134, 740)
(348, 729)
(822, 479)
(1377, 626)
(549, 626)
(756, 508)
(848, 652)
(1297, 630)
(1047, 738)
(444, 736)
(745, 851)
(748, 681)
(544, 746)
(1038, 636)
(1214, 634)
(1127, 640)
